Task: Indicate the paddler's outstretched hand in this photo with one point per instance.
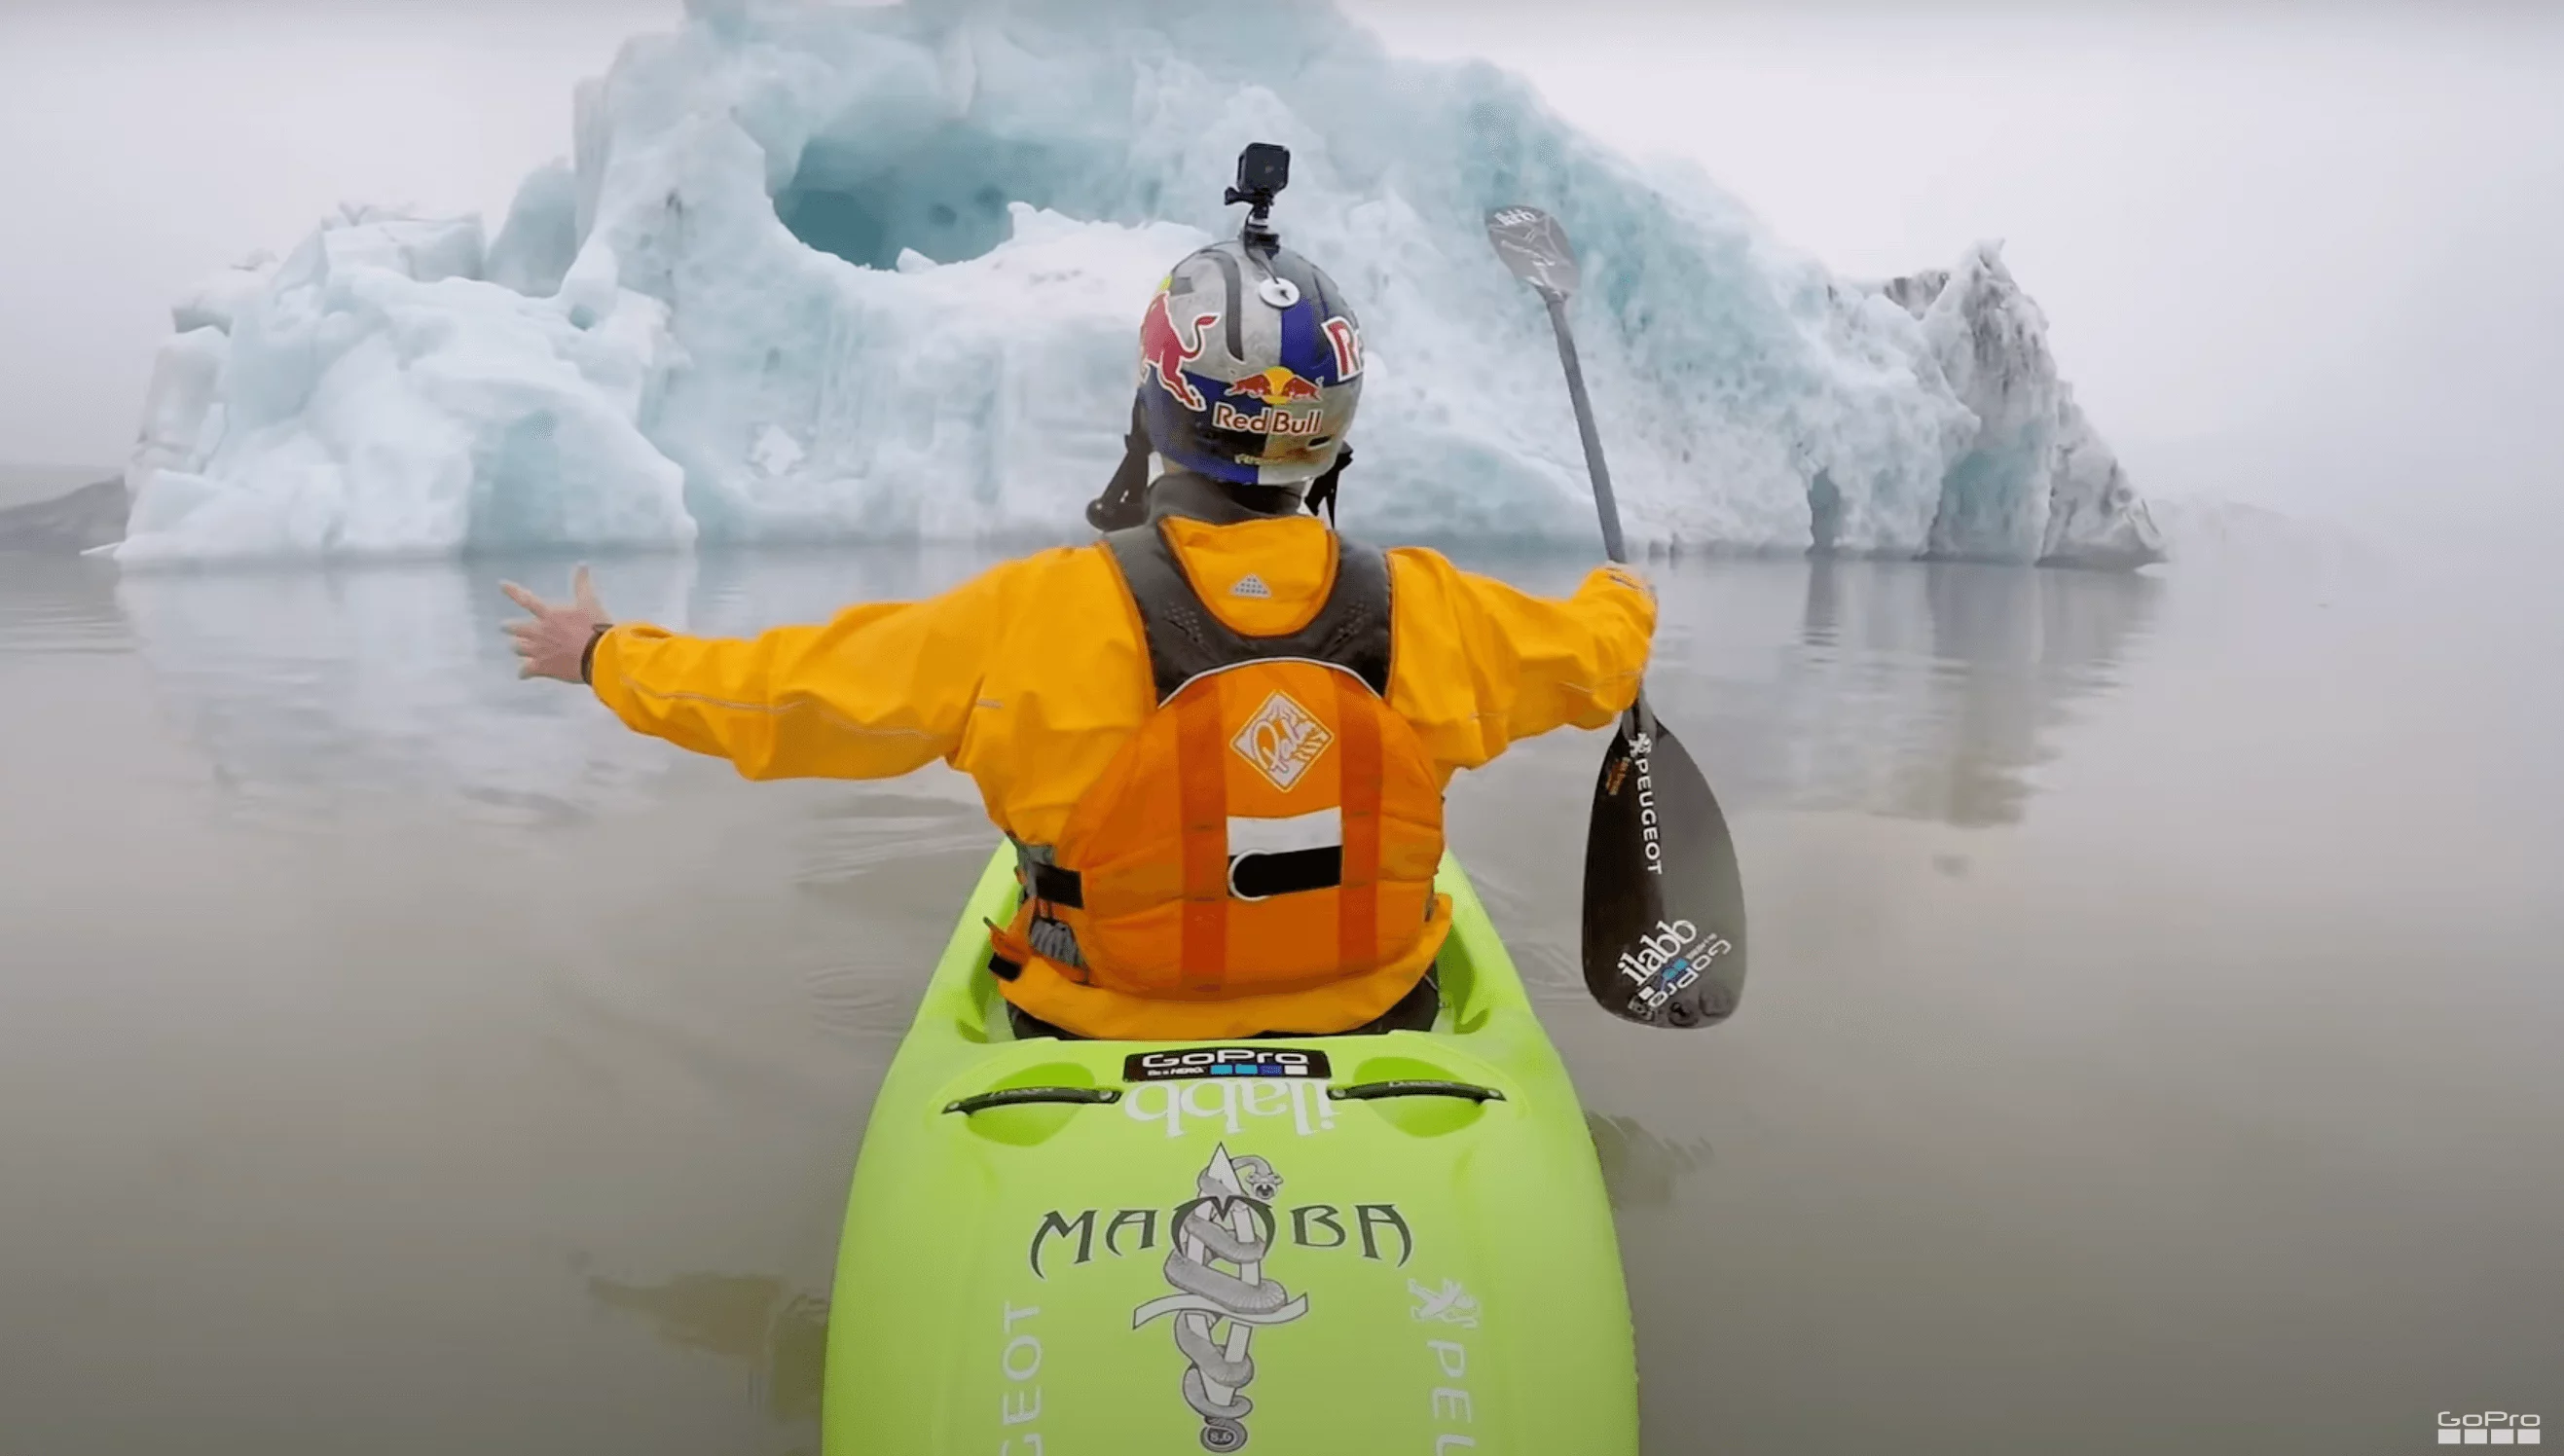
(555, 644)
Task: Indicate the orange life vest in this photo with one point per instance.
(1260, 854)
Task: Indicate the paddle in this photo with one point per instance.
(1665, 908)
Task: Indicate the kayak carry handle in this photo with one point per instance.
(1413, 1087)
(1017, 1096)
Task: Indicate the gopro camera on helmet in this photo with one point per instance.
(1263, 170)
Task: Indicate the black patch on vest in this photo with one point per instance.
(1290, 872)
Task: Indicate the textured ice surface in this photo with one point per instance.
(876, 272)
(373, 397)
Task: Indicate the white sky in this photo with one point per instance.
(2303, 255)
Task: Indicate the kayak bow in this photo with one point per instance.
(1322, 1245)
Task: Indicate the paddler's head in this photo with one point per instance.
(1250, 363)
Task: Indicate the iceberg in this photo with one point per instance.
(2036, 482)
(824, 274)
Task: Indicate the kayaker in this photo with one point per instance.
(1219, 738)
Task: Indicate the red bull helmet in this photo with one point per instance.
(1250, 364)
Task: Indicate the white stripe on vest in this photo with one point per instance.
(1324, 829)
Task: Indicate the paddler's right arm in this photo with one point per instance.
(875, 692)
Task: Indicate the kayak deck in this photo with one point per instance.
(1320, 1245)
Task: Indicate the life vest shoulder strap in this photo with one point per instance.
(1185, 639)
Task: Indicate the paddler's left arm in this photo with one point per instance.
(877, 691)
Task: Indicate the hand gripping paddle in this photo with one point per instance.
(1665, 908)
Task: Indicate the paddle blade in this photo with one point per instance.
(1665, 908)
(1535, 247)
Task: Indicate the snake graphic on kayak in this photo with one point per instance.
(1230, 1221)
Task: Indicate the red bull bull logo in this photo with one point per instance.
(1163, 350)
(1274, 386)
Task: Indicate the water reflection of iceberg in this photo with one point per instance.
(1642, 1169)
(306, 688)
(778, 1334)
(1922, 690)
(1911, 689)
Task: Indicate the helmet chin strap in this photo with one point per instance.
(1125, 502)
(1322, 491)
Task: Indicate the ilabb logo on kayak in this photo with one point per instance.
(2490, 1428)
(1233, 1103)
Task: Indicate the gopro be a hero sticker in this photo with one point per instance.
(1191, 1062)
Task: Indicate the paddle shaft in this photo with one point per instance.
(1612, 543)
(1641, 717)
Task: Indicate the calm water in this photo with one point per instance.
(2156, 1040)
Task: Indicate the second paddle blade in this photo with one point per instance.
(1665, 908)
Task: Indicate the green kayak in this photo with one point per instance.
(1330, 1246)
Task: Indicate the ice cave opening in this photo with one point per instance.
(944, 194)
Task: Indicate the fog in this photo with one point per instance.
(2296, 256)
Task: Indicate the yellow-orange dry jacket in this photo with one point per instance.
(1228, 805)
